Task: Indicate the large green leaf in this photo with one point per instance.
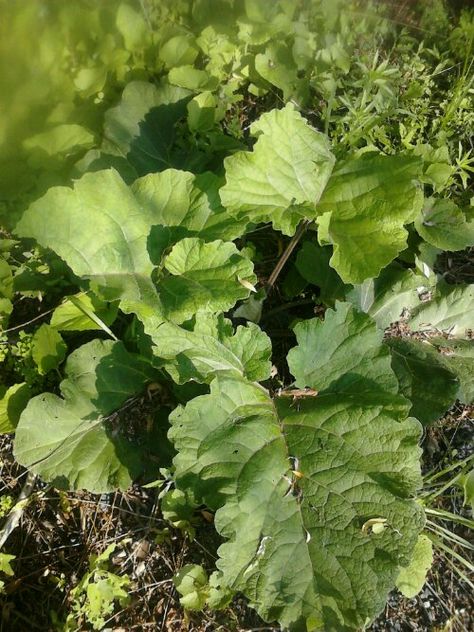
(133, 26)
(282, 179)
(444, 225)
(467, 483)
(112, 235)
(191, 78)
(300, 545)
(367, 202)
(209, 349)
(208, 277)
(6, 280)
(344, 354)
(213, 348)
(388, 297)
(141, 128)
(53, 146)
(6, 291)
(425, 378)
(450, 311)
(202, 112)
(191, 203)
(179, 50)
(100, 231)
(78, 441)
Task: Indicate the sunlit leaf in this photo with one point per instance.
(297, 554)
(282, 179)
(444, 225)
(12, 405)
(48, 348)
(450, 310)
(368, 201)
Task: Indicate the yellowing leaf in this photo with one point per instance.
(5, 564)
(412, 578)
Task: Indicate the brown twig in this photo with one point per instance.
(297, 393)
(302, 227)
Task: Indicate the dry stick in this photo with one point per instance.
(7, 331)
(297, 393)
(33, 320)
(302, 227)
(16, 513)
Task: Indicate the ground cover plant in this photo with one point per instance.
(236, 266)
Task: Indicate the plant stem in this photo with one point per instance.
(17, 511)
(302, 227)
